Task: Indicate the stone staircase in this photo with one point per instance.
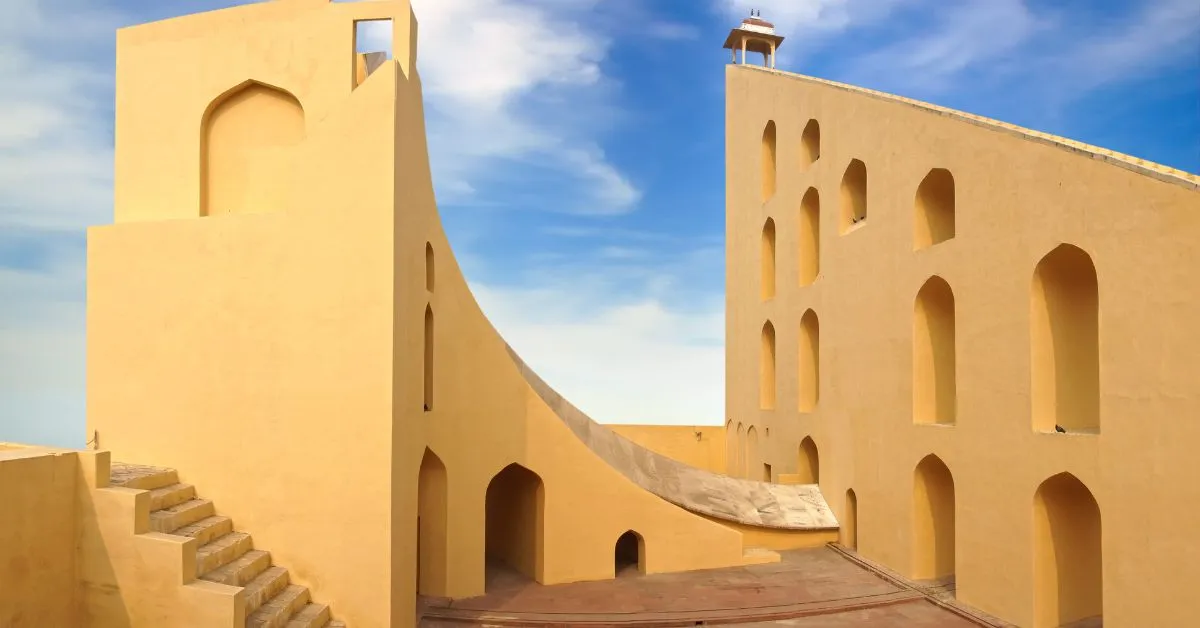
(224, 555)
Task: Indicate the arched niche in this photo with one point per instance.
(853, 202)
(808, 465)
(809, 240)
(810, 145)
(848, 531)
(1068, 576)
(766, 393)
(432, 526)
(1065, 343)
(933, 211)
(738, 468)
(427, 365)
(768, 260)
(934, 359)
(248, 140)
(768, 161)
(429, 269)
(933, 520)
(753, 454)
(809, 364)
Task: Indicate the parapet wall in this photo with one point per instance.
(700, 446)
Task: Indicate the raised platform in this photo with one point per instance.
(832, 587)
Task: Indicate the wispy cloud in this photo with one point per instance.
(498, 75)
(1158, 33)
(637, 362)
(1036, 53)
(55, 179)
(55, 148)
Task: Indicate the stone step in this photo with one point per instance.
(276, 612)
(759, 556)
(222, 551)
(172, 495)
(263, 587)
(141, 477)
(312, 616)
(170, 519)
(207, 529)
(241, 570)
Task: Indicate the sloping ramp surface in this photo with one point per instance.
(760, 504)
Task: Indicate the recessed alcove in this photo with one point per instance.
(766, 395)
(248, 137)
(768, 260)
(933, 520)
(809, 237)
(810, 145)
(933, 210)
(768, 161)
(809, 364)
(934, 380)
(853, 201)
(808, 463)
(1068, 555)
(1065, 343)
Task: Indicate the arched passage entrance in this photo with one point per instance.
(431, 526)
(515, 509)
(629, 554)
(1068, 573)
(933, 520)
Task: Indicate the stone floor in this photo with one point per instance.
(807, 588)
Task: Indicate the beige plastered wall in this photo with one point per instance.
(254, 352)
(701, 446)
(1017, 199)
(276, 358)
(37, 538)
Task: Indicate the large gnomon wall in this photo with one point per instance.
(980, 341)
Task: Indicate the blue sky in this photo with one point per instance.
(577, 148)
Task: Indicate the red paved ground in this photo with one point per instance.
(805, 582)
(915, 614)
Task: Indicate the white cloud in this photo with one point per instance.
(808, 24)
(55, 179)
(55, 154)
(959, 36)
(1160, 33)
(510, 82)
(635, 362)
(1041, 56)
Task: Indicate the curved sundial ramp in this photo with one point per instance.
(798, 507)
